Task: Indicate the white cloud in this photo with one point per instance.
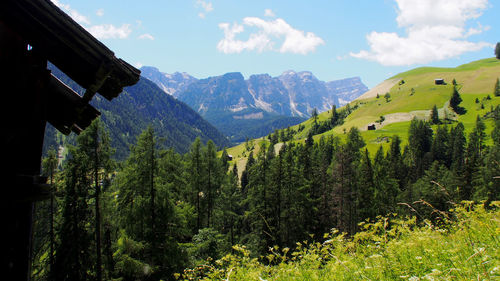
(269, 13)
(109, 31)
(206, 6)
(435, 30)
(74, 14)
(103, 31)
(268, 35)
(146, 36)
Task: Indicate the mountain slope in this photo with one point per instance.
(226, 102)
(414, 93)
(143, 104)
(172, 84)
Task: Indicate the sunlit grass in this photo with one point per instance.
(466, 247)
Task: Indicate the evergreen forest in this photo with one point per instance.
(162, 215)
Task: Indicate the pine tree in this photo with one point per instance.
(212, 178)
(345, 181)
(73, 253)
(497, 50)
(440, 146)
(420, 143)
(386, 187)
(365, 199)
(455, 100)
(49, 165)
(94, 143)
(196, 178)
(496, 92)
(334, 118)
(434, 115)
(229, 204)
(261, 234)
(244, 174)
(457, 148)
(396, 167)
(474, 155)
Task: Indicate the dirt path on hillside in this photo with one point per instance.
(402, 117)
(408, 116)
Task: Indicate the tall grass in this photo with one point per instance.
(464, 245)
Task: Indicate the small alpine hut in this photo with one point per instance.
(33, 32)
(439, 81)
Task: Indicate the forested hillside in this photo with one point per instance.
(162, 212)
(137, 107)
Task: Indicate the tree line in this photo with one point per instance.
(159, 212)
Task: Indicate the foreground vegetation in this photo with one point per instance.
(463, 245)
(159, 212)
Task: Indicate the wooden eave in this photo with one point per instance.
(69, 46)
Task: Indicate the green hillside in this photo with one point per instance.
(413, 95)
(418, 94)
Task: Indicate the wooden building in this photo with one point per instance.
(33, 32)
(439, 81)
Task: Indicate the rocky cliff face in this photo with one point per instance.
(172, 84)
(290, 94)
(347, 89)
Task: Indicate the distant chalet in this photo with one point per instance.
(33, 32)
(439, 81)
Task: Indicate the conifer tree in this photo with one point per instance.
(335, 116)
(137, 201)
(385, 185)
(455, 100)
(229, 205)
(420, 142)
(73, 253)
(212, 178)
(434, 115)
(261, 234)
(457, 148)
(49, 165)
(496, 92)
(365, 198)
(196, 178)
(345, 181)
(474, 154)
(440, 146)
(94, 144)
(396, 167)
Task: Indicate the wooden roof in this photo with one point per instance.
(69, 46)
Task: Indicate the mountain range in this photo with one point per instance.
(256, 106)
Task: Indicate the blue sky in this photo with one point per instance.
(373, 39)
